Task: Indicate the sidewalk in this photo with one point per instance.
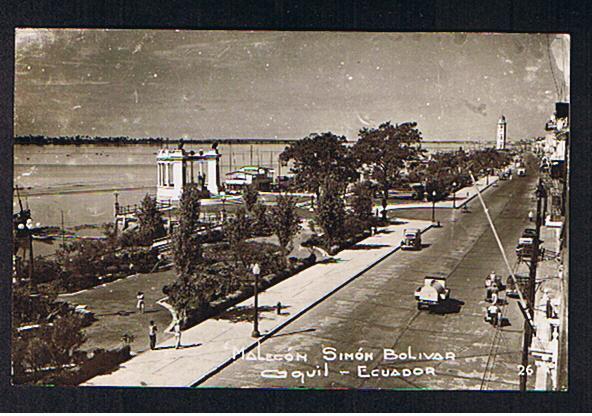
(545, 346)
(211, 345)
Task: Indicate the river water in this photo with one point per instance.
(80, 180)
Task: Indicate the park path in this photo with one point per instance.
(209, 346)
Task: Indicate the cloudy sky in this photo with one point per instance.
(215, 84)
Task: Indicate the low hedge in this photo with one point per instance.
(219, 306)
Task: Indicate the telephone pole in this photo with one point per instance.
(528, 332)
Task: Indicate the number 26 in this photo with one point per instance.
(528, 370)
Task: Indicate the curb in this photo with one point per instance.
(273, 331)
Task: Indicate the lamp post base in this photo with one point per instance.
(255, 333)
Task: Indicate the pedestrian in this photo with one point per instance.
(544, 299)
(152, 329)
(530, 216)
(177, 331)
(488, 284)
(493, 315)
(494, 295)
(140, 305)
(549, 308)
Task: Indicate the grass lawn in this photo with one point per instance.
(114, 306)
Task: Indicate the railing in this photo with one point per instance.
(133, 209)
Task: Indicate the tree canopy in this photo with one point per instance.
(285, 222)
(186, 242)
(150, 220)
(319, 156)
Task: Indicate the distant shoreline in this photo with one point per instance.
(116, 141)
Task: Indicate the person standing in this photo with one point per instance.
(177, 331)
(494, 294)
(530, 216)
(141, 306)
(488, 288)
(152, 329)
(549, 308)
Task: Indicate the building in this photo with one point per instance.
(501, 133)
(178, 167)
(259, 177)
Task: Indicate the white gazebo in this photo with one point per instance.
(178, 167)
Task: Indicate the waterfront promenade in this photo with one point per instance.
(212, 344)
(378, 311)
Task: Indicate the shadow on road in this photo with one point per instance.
(447, 307)
(367, 246)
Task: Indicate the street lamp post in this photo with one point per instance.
(454, 195)
(486, 176)
(223, 213)
(433, 206)
(256, 270)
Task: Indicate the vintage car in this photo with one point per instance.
(525, 248)
(521, 171)
(432, 293)
(411, 239)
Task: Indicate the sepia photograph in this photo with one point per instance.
(291, 209)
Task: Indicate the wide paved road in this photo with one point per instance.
(378, 311)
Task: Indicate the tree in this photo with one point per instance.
(45, 334)
(150, 220)
(285, 223)
(361, 204)
(261, 216)
(250, 196)
(237, 231)
(330, 213)
(317, 157)
(186, 242)
(385, 151)
(193, 293)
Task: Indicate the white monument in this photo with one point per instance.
(178, 167)
(501, 134)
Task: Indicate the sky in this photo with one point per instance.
(265, 84)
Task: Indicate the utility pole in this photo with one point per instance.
(230, 158)
(31, 256)
(63, 231)
(540, 193)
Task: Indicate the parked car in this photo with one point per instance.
(525, 248)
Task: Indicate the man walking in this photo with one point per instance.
(152, 329)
